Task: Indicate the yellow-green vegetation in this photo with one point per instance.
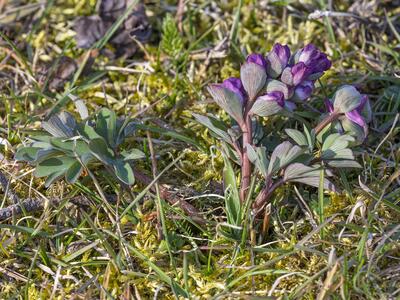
(155, 249)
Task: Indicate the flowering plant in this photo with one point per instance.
(272, 85)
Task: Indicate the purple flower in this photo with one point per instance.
(235, 85)
(282, 52)
(257, 59)
(361, 115)
(303, 90)
(316, 60)
(295, 75)
(356, 116)
(277, 60)
(278, 97)
(307, 54)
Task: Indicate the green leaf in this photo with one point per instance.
(344, 164)
(232, 198)
(337, 141)
(106, 126)
(297, 136)
(216, 126)
(78, 147)
(265, 108)
(353, 129)
(53, 177)
(124, 172)
(87, 131)
(61, 125)
(298, 172)
(284, 154)
(253, 77)
(44, 154)
(310, 137)
(101, 151)
(228, 101)
(53, 165)
(258, 157)
(26, 154)
(73, 172)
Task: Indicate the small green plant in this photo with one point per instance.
(68, 148)
(268, 87)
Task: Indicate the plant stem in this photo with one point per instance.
(264, 195)
(246, 164)
(329, 119)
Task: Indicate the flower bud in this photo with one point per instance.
(295, 75)
(274, 96)
(277, 60)
(257, 59)
(315, 60)
(235, 85)
(303, 90)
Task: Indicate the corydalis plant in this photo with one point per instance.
(271, 85)
(69, 147)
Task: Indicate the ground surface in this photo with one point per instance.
(73, 251)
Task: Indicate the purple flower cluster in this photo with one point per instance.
(296, 72)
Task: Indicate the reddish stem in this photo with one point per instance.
(246, 164)
(264, 195)
(325, 122)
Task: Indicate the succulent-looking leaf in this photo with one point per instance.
(101, 151)
(106, 125)
(87, 132)
(228, 101)
(62, 125)
(52, 165)
(124, 172)
(26, 154)
(75, 146)
(73, 172)
(44, 154)
(253, 77)
(299, 172)
(346, 99)
(265, 108)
